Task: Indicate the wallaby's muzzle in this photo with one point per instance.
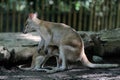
(24, 31)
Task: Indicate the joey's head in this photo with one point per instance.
(4, 53)
(31, 23)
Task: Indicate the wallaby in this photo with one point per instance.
(15, 56)
(4, 53)
(22, 56)
(39, 59)
(70, 44)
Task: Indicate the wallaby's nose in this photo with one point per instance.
(24, 32)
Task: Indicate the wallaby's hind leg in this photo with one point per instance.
(62, 58)
(39, 62)
(58, 61)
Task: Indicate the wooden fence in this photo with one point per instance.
(92, 16)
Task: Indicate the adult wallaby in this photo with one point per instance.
(70, 44)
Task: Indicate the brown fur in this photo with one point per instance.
(70, 44)
(24, 55)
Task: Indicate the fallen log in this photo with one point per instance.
(102, 43)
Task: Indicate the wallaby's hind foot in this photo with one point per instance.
(54, 70)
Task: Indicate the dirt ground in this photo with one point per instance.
(74, 73)
(78, 72)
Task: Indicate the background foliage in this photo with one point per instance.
(93, 15)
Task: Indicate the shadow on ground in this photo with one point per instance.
(78, 73)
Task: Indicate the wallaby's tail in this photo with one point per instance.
(27, 68)
(84, 60)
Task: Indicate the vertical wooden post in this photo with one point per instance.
(13, 16)
(110, 15)
(85, 20)
(53, 13)
(42, 11)
(80, 18)
(118, 15)
(58, 13)
(106, 17)
(19, 21)
(47, 13)
(94, 23)
(103, 17)
(74, 19)
(36, 6)
(91, 19)
(7, 20)
(1, 19)
(69, 15)
(63, 17)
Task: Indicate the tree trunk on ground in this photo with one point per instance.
(102, 43)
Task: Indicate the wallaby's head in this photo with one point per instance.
(4, 53)
(31, 23)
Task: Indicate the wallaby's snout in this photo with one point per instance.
(24, 31)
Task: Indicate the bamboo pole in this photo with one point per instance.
(1, 19)
(103, 17)
(85, 20)
(94, 22)
(69, 15)
(19, 21)
(19, 18)
(110, 16)
(37, 7)
(106, 17)
(97, 23)
(118, 15)
(115, 7)
(53, 13)
(13, 17)
(74, 20)
(58, 12)
(99, 19)
(7, 21)
(91, 19)
(0, 22)
(47, 13)
(42, 11)
(63, 15)
(80, 18)
(25, 16)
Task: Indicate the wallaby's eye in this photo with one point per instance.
(4, 48)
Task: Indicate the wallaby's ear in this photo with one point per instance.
(35, 14)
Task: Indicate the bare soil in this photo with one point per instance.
(76, 72)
